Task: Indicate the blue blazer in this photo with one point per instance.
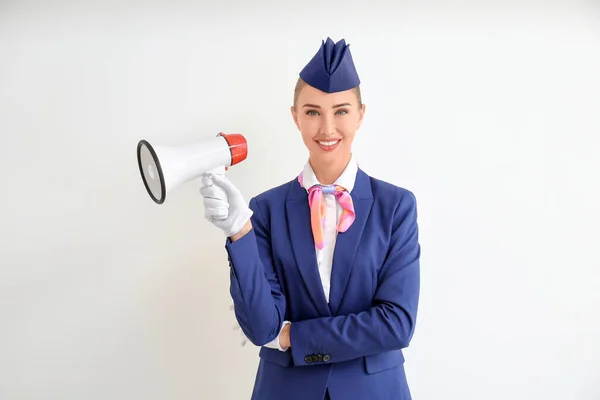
(351, 346)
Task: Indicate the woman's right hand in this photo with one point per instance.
(225, 206)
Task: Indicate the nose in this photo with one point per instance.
(327, 125)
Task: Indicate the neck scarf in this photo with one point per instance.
(316, 201)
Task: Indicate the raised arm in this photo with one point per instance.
(259, 303)
(257, 297)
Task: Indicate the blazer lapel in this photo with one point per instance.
(347, 243)
(300, 231)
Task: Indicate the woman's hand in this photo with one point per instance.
(225, 206)
(284, 337)
(247, 228)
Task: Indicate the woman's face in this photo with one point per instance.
(328, 123)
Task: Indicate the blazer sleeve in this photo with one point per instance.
(390, 323)
(259, 303)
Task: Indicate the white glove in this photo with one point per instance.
(224, 205)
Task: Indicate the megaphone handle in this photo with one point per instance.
(214, 171)
(207, 181)
(217, 170)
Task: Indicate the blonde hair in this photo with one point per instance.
(301, 83)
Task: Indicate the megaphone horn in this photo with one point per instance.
(164, 168)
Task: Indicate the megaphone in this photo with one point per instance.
(165, 168)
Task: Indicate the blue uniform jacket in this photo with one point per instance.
(351, 346)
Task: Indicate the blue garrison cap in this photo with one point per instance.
(331, 69)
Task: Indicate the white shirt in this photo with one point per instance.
(333, 210)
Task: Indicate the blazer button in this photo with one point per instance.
(308, 359)
(326, 357)
(320, 357)
(315, 358)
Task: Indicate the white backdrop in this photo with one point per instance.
(487, 112)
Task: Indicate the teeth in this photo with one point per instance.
(328, 143)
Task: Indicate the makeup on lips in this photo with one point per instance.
(328, 145)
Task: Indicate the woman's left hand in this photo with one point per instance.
(284, 337)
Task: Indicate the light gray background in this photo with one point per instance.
(488, 112)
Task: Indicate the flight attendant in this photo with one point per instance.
(324, 269)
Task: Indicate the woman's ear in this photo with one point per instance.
(361, 114)
(295, 116)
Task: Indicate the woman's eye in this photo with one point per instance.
(315, 113)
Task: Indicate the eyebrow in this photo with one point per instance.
(335, 106)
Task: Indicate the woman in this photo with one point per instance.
(325, 269)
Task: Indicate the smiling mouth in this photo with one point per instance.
(328, 145)
(328, 142)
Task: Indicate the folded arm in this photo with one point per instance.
(390, 323)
